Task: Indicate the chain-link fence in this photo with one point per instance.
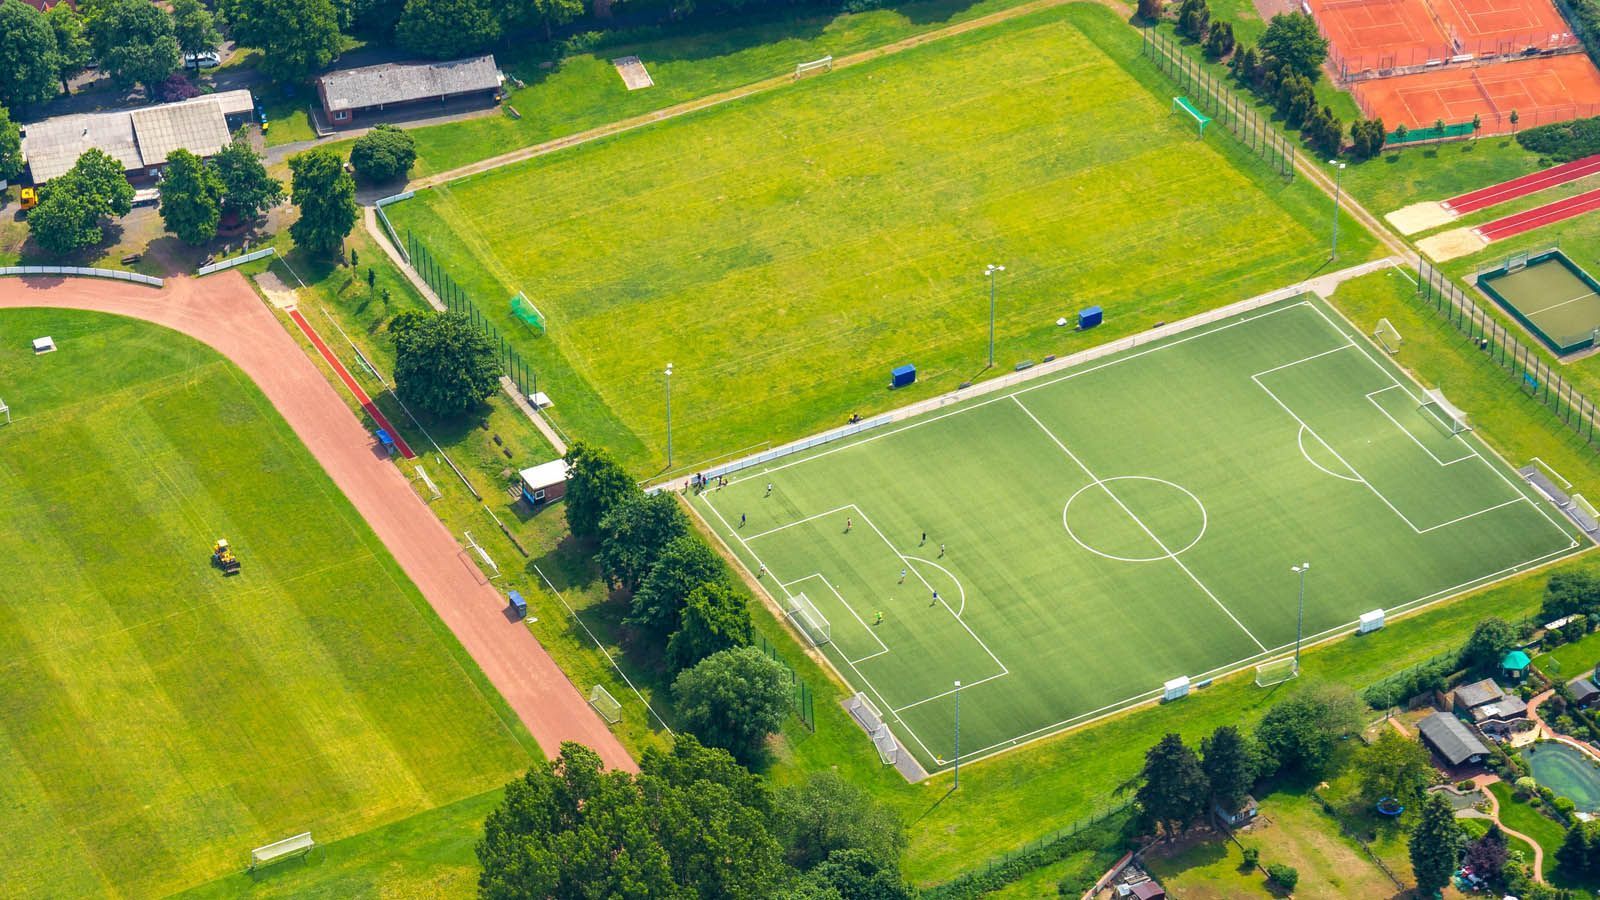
(1225, 107)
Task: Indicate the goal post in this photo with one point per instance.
(5, 411)
(1451, 417)
(527, 313)
(1276, 671)
(809, 619)
(1201, 120)
(483, 555)
(605, 704)
(1387, 336)
(814, 67)
(427, 484)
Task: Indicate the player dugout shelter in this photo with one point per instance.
(544, 483)
(141, 139)
(352, 95)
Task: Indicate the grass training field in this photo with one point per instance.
(786, 250)
(161, 719)
(1096, 531)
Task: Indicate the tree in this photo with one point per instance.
(1286, 876)
(295, 37)
(69, 212)
(134, 41)
(247, 189)
(1488, 644)
(1488, 854)
(1436, 845)
(1394, 766)
(1294, 41)
(547, 14)
(1568, 593)
(10, 146)
(1219, 40)
(29, 65)
(634, 532)
(1194, 17)
(715, 617)
(734, 699)
(1173, 788)
(326, 195)
(1230, 762)
(1299, 734)
(1150, 10)
(596, 483)
(1514, 118)
(1366, 138)
(825, 815)
(855, 875)
(1477, 125)
(383, 154)
(684, 565)
(1400, 133)
(445, 29)
(73, 52)
(194, 27)
(191, 197)
(1579, 853)
(442, 363)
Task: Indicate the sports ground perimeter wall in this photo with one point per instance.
(82, 272)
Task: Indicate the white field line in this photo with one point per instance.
(883, 648)
(1301, 440)
(1137, 521)
(1407, 432)
(835, 511)
(948, 574)
(1544, 309)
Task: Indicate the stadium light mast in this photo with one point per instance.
(991, 271)
(1300, 616)
(1338, 179)
(958, 732)
(669, 415)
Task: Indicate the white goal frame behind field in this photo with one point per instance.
(606, 705)
(1452, 417)
(814, 67)
(1276, 671)
(5, 411)
(1387, 336)
(810, 620)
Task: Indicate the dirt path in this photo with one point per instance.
(224, 313)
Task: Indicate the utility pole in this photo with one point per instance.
(1300, 615)
(669, 415)
(991, 271)
(958, 737)
(1338, 179)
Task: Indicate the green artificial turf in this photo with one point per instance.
(161, 718)
(784, 251)
(1094, 533)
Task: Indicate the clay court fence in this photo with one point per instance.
(1208, 92)
(1525, 366)
(1462, 54)
(456, 300)
(1493, 123)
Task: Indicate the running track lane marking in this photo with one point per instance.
(1538, 216)
(349, 382)
(1495, 194)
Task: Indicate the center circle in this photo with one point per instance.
(1116, 518)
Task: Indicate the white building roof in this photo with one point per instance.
(544, 475)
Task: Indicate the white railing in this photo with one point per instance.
(384, 219)
(252, 256)
(83, 272)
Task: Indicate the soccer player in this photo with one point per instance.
(847, 524)
(935, 600)
(741, 520)
(902, 576)
(879, 619)
(941, 551)
(769, 489)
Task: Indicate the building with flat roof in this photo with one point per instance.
(349, 95)
(141, 139)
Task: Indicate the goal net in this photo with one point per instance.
(527, 313)
(605, 704)
(1275, 672)
(429, 489)
(1388, 336)
(816, 66)
(1447, 414)
(809, 619)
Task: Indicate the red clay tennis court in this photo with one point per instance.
(1495, 194)
(1503, 26)
(1539, 216)
(1540, 91)
(1380, 34)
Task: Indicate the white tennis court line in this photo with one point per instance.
(1137, 521)
(1407, 432)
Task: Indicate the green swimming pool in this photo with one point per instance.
(1566, 770)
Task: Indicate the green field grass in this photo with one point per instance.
(163, 719)
(784, 251)
(1093, 510)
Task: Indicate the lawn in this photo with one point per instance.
(1569, 661)
(784, 251)
(162, 718)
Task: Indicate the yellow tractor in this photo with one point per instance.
(222, 557)
(30, 197)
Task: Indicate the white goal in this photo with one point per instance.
(816, 66)
(427, 484)
(1447, 414)
(483, 555)
(5, 411)
(1276, 672)
(809, 620)
(1387, 336)
(605, 704)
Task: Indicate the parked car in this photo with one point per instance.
(194, 62)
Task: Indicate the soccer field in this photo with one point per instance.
(1099, 530)
(157, 718)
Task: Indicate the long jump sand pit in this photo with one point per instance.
(1419, 217)
(633, 73)
(1456, 242)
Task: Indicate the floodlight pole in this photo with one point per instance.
(1338, 179)
(958, 737)
(1300, 615)
(669, 415)
(991, 272)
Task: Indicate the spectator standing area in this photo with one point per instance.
(1070, 545)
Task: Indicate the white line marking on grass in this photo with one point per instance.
(965, 686)
(1544, 309)
(959, 586)
(848, 608)
(1301, 440)
(1137, 521)
(1407, 432)
(1205, 519)
(799, 521)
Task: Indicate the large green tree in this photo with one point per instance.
(134, 41)
(443, 365)
(1572, 592)
(596, 483)
(73, 204)
(1230, 762)
(1295, 42)
(247, 189)
(194, 27)
(685, 563)
(1394, 766)
(383, 154)
(1436, 845)
(191, 198)
(445, 29)
(1488, 644)
(1173, 789)
(715, 617)
(10, 146)
(326, 195)
(295, 37)
(634, 532)
(1300, 733)
(734, 699)
(546, 14)
(29, 66)
(1579, 853)
(73, 51)
(825, 814)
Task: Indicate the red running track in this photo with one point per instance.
(1539, 216)
(1494, 194)
(350, 382)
